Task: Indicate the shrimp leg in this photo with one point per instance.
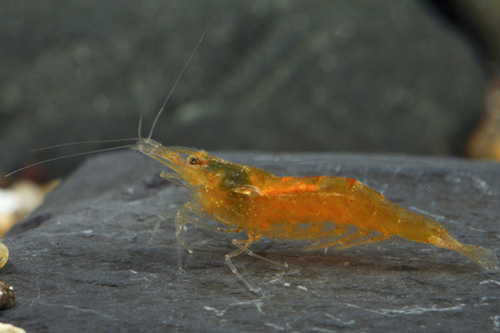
(185, 216)
(243, 246)
(181, 220)
(161, 218)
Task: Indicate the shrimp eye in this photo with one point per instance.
(193, 160)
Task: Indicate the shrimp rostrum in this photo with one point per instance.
(328, 212)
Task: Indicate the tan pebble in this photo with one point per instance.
(4, 254)
(9, 328)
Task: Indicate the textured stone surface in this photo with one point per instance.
(85, 260)
(279, 76)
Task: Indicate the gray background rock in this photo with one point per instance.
(379, 76)
(84, 260)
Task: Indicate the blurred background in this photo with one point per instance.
(371, 76)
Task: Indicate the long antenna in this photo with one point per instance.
(139, 126)
(67, 156)
(178, 78)
(81, 143)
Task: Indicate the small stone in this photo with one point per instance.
(7, 296)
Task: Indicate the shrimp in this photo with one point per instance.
(330, 212)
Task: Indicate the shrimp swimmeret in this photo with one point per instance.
(322, 210)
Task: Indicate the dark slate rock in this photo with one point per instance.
(85, 261)
(384, 76)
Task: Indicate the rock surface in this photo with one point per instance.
(85, 259)
(384, 76)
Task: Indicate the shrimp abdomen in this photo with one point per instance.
(371, 210)
(348, 202)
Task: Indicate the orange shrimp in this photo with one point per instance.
(324, 210)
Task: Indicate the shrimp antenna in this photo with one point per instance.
(67, 156)
(81, 143)
(139, 126)
(178, 78)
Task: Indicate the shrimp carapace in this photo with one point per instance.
(325, 211)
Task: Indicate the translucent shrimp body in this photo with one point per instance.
(326, 211)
